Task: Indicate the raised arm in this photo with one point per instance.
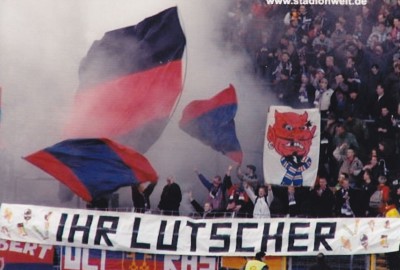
(270, 196)
(204, 180)
(149, 189)
(249, 191)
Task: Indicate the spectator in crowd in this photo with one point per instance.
(392, 82)
(250, 175)
(292, 14)
(284, 66)
(285, 88)
(374, 168)
(331, 72)
(356, 104)
(323, 97)
(171, 197)
(338, 103)
(357, 127)
(237, 200)
(368, 187)
(325, 18)
(385, 190)
(316, 77)
(205, 211)
(386, 157)
(373, 79)
(396, 127)
(328, 164)
(346, 199)
(395, 192)
(262, 201)
(217, 189)
(384, 126)
(342, 136)
(393, 258)
(362, 28)
(338, 36)
(351, 74)
(99, 203)
(351, 164)
(320, 264)
(379, 101)
(322, 199)
(141, 197)
(305, 18)
(321, 43)
(378, 35)
(305, 93)
(391, 210)
(395, 33)
(292, 199)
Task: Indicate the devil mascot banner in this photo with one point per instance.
(291, 149)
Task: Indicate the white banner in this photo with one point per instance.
(291, 149)
(158, 234)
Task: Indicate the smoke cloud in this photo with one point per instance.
(43, 42)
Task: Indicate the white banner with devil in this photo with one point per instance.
(291, 150)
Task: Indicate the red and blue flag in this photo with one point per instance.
(130, 82)
(92, 168)
(212, 122)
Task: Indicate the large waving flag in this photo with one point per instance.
(130, 82)
(92, 168)
(212, 122)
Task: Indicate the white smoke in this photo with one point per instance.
(42, 44)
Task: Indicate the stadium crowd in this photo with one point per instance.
(345, 61)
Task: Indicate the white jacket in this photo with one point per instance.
(261, 204)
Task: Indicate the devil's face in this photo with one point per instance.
(291, 134)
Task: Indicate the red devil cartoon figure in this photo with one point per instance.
(291, 136)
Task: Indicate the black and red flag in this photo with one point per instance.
(130, 82)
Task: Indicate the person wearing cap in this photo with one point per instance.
(257, 263)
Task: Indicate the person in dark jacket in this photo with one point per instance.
(141, 197)
(320, 264)
(205, 211)
(322, 199)
(171, 198)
